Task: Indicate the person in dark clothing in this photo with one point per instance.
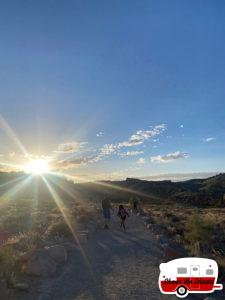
(106, 207)
(135, 205)
(122, 213)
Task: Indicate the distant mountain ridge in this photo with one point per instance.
(195, 192)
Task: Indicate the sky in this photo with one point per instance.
(113, 89)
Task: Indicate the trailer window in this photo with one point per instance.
(181, 270)
(209, 272)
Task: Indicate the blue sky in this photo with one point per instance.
(72, 69)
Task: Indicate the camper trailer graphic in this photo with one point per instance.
(188, 275)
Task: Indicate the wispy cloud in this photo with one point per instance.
(136, 139)
(100, 133)
(170, 157)
(73, 163)
(141, 136)
(209, 139)
(70, 147)
(141, 161)
(131, 153)
(64, 161)
(108, 149)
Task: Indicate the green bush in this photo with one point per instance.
(27, 240)
(16, 221)
(8, 262)
(59, 229)
(198, 233)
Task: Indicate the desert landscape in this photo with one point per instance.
(41, 233)
(112, 166)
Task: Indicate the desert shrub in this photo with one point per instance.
(59, 229)
(16, 221)
(26, 241)
(198, 234)
(8, 264)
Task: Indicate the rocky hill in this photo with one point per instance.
(196, 192)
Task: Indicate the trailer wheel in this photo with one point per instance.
(182, 291)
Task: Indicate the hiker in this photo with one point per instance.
(122, 213)
(135, 205)
(106, 207)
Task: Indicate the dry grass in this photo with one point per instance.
(8, 260)
(200, 231)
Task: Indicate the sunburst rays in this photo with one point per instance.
(68, 219)
(127, 190)
(11, 182)
(10, 193)
(20, 183)
(62, 188)
(11, 134)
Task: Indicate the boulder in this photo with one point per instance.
(39, 263)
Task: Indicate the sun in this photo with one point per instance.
(37, 167)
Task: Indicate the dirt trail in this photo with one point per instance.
(122, 265)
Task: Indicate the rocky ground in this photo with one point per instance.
(112, 265)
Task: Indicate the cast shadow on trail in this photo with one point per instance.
(83, 281)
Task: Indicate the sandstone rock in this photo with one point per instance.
(40, 263)
(57, 252)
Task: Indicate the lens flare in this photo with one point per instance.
(37, 167)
